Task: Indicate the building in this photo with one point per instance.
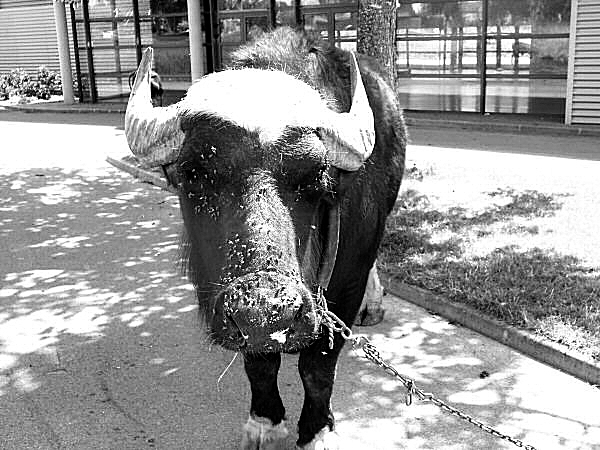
(501, 56)
(27, 35)
(583, 87)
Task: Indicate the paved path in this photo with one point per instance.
(101, 347)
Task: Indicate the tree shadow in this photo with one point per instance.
(101, 346)
(536, 289)
(481, 378)
(100, 343)
(414, 209)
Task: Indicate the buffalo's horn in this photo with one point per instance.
(350, 136)
(153, 134)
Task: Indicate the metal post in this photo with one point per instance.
(407, 51)
(64, 57)
(272, 14)
(461, 46)
(516, 50)
(298, 14)
(483, 57)
(76, 53)
(208, 36)
(217, 45)
(88, 46)
(498, 47)
(116, 49)
(445, 46)
(138, 33)
(211, 22)
(196, 49)
(331, 27)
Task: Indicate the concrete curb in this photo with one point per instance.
(533, 346)
(412, 120)
(536, 347)
(504, 127)
(67, 109)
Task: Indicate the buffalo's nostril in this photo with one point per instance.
(242, 338)
(298, 315)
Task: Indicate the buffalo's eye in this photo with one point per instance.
(304, 177)
(301, 163)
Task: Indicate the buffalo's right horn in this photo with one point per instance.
(154, 134)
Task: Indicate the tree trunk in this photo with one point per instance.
(376, 36)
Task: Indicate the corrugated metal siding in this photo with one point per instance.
(27, 36)
(17, 3)
(585, 100)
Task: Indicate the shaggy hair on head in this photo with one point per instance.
(305, 56)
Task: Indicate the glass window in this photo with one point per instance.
(255, 4)
(527, 56)
(440, 54)
(231, 31)
(228, 5)
(170, 39)
(439, 94)
(285, 13)
(435, 38)
(345, 30)
(317, 23)
(255, 26)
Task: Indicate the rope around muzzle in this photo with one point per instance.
(334, 324)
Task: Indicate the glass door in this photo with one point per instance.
(109, 36)
(506, 56)
(527, 56)
(438, 55)
(240, 21)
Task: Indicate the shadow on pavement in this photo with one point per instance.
(481, 378)
(101, 346)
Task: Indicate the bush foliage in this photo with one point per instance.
(19, 83)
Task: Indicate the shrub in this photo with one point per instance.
(19, 83)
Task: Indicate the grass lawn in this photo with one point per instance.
(515, 236)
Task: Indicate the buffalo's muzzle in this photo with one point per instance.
(264, 312)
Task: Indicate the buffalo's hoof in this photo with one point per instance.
(369, 316)
(323, 440)
(261, 434)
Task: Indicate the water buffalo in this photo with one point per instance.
(287, 165)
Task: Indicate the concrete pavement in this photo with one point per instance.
(514, 123)
(101, 346)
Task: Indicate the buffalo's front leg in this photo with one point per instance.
(317, 366)
(265, 429)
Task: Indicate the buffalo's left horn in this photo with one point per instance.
(153, 134)
(350, 136)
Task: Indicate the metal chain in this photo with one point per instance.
(334, 324)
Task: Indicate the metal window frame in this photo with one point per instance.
(483, 38)
(212, 17)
